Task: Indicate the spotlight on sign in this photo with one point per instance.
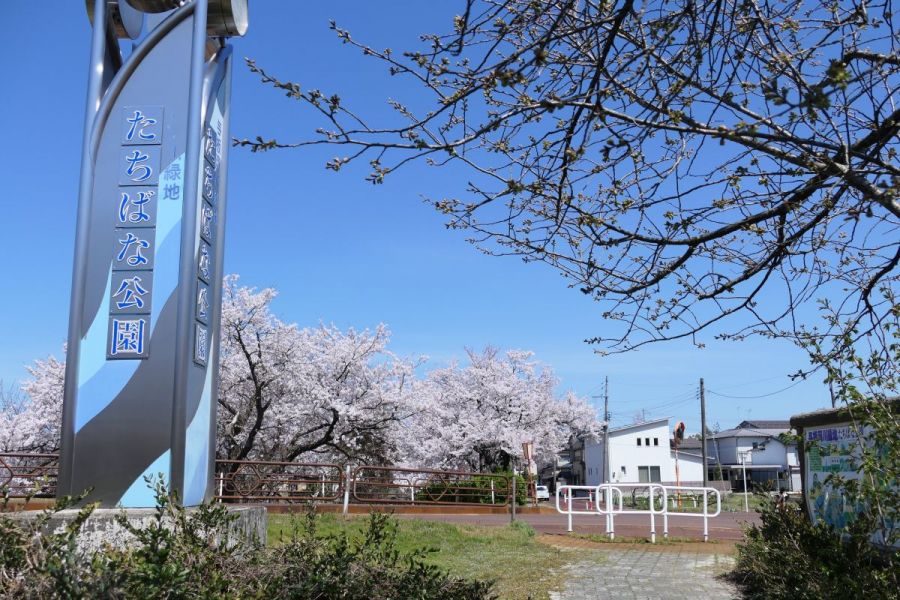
(227, 18)
(126, 20)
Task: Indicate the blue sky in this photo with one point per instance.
(338, 249)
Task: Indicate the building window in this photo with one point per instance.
(656, 441)
(646, 441)
(623, 470)
(639, 441)
(648, 474)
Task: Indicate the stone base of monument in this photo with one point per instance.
(103, 526)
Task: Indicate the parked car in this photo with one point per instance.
(542, 492)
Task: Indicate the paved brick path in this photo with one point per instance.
(652, 573)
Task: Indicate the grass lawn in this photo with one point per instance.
(731, 502)
(521, 566)
(735, 502)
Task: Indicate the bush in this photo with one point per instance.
(788, 557)
(191, 554)
(476, 490)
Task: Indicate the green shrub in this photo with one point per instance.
(476, 490)
(191, 554)
(787, 557)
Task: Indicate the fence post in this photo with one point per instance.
(493, 500)
(665, 511)
(608, 501)
(346, 489)
(705, 518)
(512, 505)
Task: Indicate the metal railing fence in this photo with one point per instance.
(402, 485)
(601, 501)
(275, 482)
(28, 475)
(261, 481)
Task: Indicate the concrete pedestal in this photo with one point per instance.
(103, 528)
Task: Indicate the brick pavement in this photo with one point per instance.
(643, 572)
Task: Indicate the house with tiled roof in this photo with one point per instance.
(761, 450)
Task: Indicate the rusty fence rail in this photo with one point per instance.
(401, 485)
(278, 482)
(28, 475)
(273, 482)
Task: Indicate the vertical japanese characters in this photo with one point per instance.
(135, 203)
(205, 249)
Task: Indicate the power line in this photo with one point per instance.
(684, 396)
(672, 403)
(798, 382)
(754, 382)
(667, 385)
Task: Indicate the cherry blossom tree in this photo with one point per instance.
(477, 417)
(322, 394)
(316, 393)
(30, 421)
(697, 168)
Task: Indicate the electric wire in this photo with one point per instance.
(798, 382)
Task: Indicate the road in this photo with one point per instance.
(725, 527)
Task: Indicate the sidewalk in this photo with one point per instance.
(638, 572)
(725, 527)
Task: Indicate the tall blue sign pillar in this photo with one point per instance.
(141, 376)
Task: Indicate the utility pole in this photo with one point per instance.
(744, 454)
(703, 433)
(606, 473)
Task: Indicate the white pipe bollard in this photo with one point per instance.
(705, 520)
(608, 501)
(705, 515)
(652, 517)
(569, 507)
(346, 489)
(607, 508)
(665, 516)
(493, 499)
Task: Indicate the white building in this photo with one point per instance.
(768, 453)
(642, 453)
(638, 453)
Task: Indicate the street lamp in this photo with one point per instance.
(126, 20)
(744, 454)
(225, 18)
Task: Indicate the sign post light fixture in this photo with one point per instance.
(746, 456)
(141, 376)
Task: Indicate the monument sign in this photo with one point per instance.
(141, 373)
